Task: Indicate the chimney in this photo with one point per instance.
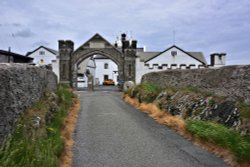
(123, 37)
(212, 58)
(125, 43)
(134, 44)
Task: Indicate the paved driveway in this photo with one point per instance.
(111, 133)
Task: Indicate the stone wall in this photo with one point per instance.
(20, 86)
(231, 81)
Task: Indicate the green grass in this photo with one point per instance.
(221, 136)
(244, 109)
(37, 147)
(145, 92)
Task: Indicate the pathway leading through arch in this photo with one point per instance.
(111, 133)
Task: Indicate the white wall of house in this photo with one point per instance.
(44, 57)
(111, 71)
(165, 61)
(180, 58)
(55, 68)
(87, 64)
(141, 69)
(43, 54)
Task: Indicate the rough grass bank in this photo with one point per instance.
(37, 139)
(218, 124)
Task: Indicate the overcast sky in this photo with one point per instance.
(207, 26)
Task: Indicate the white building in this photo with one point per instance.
(45, 56)
(105, 69)
(171, 58)
(85, 68)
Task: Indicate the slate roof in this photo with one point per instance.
(15, 55)
(145, 56)
(199, 56)
(196, 55)
(97, 36)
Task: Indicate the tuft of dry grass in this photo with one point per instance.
(67, 134)
(179, 125)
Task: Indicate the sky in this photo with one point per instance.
(221, 26)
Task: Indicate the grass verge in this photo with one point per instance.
(40, 146)
(221, 136)
(67, 132)
(145, 92)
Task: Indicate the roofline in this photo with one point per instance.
(102, 38)
(29, 53)
(15, 54)
(177, 48)
(205, 62)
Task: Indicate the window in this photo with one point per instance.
(105, 77)
(64, 71)
(106, 66)
(173, 53)
(42, 53)
(87, 72)
(129, 70)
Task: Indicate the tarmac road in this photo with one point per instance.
(111, 133)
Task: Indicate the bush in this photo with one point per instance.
(222, 136)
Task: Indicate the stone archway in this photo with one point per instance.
(124, 57)
(78, 57)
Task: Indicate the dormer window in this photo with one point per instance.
(173, 53)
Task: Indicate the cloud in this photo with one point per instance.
(16, 24)
(25, 33)
(40, 43)
(200, 25)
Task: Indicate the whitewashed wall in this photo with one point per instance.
(47, 57)
(100, 71)
(165, 60)
(82, 67)
(219, 62)
(141, 69)
(55, 68)
(180, 58)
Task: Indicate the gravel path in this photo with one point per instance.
(111, 133)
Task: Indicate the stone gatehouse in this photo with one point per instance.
(125, 57)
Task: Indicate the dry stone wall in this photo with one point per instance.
(20, 86)
(230, 81)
